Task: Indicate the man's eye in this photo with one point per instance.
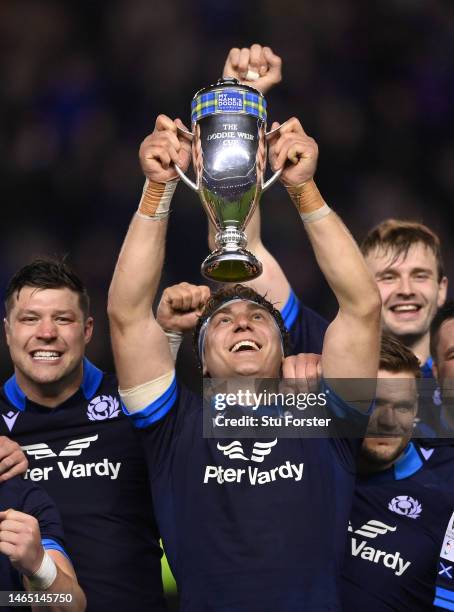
(387, 277)
(422, 276)
(63, 320)
(257, 316)
(28, 319)
(224, 320)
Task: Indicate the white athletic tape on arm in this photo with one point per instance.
(174, 339)
(45, 576)
(316, 214)
(137, 398)
(156, 198)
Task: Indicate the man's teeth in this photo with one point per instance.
(248, 344)
(405, 308)
(46, 355)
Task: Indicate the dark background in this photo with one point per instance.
(81, 84)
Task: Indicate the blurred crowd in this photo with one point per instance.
(82, 83)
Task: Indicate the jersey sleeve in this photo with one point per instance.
(37, 503)
(444, 586)
(159, 423)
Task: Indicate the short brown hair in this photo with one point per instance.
(47, 273)
(398, 236)
(396, 357)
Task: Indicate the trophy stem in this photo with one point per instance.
(231, 262)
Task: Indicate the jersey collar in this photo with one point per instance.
(408, 464)
(426, 369)
(92, 377)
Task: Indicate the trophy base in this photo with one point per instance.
(231, 267)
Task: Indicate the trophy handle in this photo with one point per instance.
(272, 180)
(185, 179)
(181, 174)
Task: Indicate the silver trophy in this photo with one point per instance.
(229, 158)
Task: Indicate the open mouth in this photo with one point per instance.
(398, 308)
(245, 345)
(43, 355)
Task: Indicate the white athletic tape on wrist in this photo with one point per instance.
(156, 198)
(137, 398)
(45, 575)
(175, 338)
(316, 214)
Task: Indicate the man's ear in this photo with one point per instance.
(6, 327)
(442, 291)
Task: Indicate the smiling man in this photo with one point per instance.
(402, 508)
(405, 259)
(261, 528)
(66, 415)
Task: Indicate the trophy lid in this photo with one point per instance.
(229, 82)
(228, 96)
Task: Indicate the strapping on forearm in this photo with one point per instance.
(308, 201)
(156, 198)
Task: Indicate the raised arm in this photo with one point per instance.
(140, 347)
(351, 345)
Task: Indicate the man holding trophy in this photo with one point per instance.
(237, 538)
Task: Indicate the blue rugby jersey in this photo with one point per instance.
(262, 529)
(307, 328)
(439, 457)
(89, 459)
(396, 529)
(31, 499)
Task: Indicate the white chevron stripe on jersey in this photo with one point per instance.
(234, 450)
(261, 449)
(374, 528)
(74, 447)
(39, 451)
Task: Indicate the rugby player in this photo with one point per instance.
(401, 507)
(262, 529)
(405, 259)
(66, 415)
(31, 548)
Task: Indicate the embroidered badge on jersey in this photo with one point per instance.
(103, 407)
(405, 505)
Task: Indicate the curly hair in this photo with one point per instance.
(237, 292)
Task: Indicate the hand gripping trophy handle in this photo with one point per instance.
(229, 158)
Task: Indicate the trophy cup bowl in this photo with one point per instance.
(229, 159)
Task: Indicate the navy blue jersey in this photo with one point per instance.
(30, 499)
(439, 458)
(88, 457)
(260, 529)
(396, 530)
(307, 328)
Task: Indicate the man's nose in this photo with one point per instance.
(386, 418)
(405, 286)
(242, 322)
(47, 329)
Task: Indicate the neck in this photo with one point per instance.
(50, 394)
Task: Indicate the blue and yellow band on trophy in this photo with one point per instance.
(228, 101)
